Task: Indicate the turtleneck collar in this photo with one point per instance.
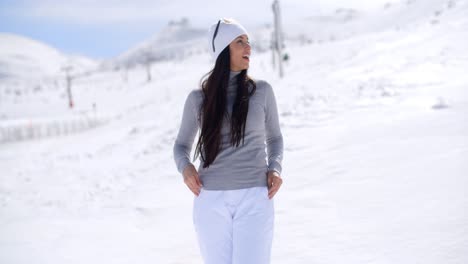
(233, 74)
(232, 86)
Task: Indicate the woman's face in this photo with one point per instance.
(240, 53)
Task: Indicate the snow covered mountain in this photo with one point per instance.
(176, 41)
(345, 23)
(25, 58)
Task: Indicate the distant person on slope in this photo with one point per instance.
(237, 117)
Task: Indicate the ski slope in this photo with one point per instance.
(375, 127)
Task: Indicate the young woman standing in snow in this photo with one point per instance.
(233, 210)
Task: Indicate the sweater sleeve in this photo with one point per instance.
(187, 132)
(274, 138)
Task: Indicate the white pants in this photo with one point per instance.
(234, 226)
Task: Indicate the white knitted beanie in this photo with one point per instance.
(228, 30)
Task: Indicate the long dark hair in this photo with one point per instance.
(213, 110)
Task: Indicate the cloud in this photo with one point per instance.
(118, 12)
(87, 12)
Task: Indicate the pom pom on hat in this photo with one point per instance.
(222, 33)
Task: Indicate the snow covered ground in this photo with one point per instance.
(375, 170)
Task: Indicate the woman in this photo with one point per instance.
(233, 211)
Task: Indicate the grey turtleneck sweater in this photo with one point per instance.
(235, 167)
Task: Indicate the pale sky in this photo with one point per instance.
(106, 28)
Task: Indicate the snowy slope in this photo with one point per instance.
(174, 42)
(376, 140)
(402, 15)
(24, 58)
(32, 78)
